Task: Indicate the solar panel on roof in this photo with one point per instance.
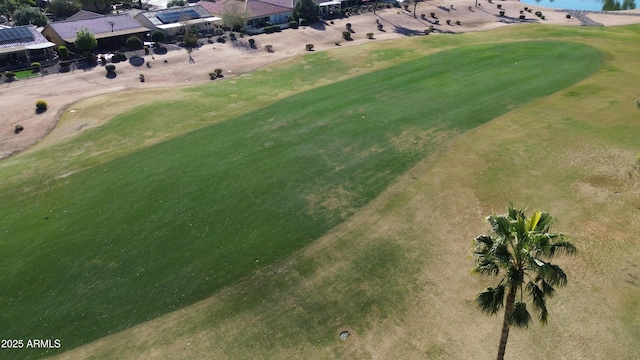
(173, 17)
(15, 34)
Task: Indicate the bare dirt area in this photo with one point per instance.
(175, 68)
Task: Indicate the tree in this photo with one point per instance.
(63, 8)
(85, 41)
(29, 16)
(235, 14)
(172, 3)
(518, 249)
(306, 9)
(157, 36)
(134, 43)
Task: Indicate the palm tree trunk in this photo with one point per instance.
(505, 323)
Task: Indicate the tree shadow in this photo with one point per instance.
(111, 75)
(136, 60)
(41, 111)
(318, 25)
(160, 50)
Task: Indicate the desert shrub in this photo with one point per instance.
(499, 6)
(141, 77)
(448, 22)
(276, 28)
(538, 13)
(568, 16)
(501, 12)
(268, 29)
(18, 129)
(380, 27)
(293, 24)
(437, 22)
(218, 72)
(41, 105)
(458, 22)
(522, 17)
(542, 17)
(268, 48)
(63, 52)
(252, 42)
(232, 36)
(346, 35)
(433, 15)
(337, 43)
(348, 26)
(309, 47)
(36, 66)
(111, 69)
(369, 35)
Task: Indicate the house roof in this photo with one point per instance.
(255, 8)
(100, 27)
(176, 15)
(84, 14)
(22, 37)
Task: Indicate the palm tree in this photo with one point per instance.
(519, 250)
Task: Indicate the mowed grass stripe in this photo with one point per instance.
(162, 228)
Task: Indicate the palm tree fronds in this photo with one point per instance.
(532, 224)
(562, 247)
(500, 225)
(486, 266)
(552, 274)
(547, 289)
(538, 300)
(491, 299)
(520, 316)
(501, 253)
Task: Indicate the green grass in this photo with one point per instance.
(25, 74)
(140, 236)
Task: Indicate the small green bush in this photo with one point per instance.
(218, 32)
(309, 47)
(277, 28)
(268, 29)
(134, 43)
(41, 105)
(218, 72)
(63, 52)
(180, 38)
(110, 68)
(268, 48)
(36, 66)
(346, 35)
(252, 42)
(293, 24)
(18, 129)
(433, 15)
(369, 35)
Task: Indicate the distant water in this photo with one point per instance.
(595, 5)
